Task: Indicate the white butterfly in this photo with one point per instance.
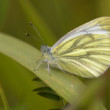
(84, 51)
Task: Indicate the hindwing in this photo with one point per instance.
(85, 51)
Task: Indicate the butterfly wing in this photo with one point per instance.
(85, 51)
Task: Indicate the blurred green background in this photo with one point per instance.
(53, 19)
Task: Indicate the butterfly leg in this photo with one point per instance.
(38, 65)
(48, 68)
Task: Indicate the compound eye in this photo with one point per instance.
(48, 50)
(44, 48)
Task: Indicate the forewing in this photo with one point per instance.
(97, 26)
(85, 51)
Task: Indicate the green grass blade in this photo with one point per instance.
(2, 95)
(92, 98)
(66, 85)
(3, 11)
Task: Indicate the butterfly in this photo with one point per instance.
(84, 51)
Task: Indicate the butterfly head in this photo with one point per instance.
(45, 49)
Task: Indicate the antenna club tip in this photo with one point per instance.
(31, 23)
(27, 34)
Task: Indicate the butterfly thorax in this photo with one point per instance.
(47, 53)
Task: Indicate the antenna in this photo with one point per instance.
(27, 34)
(40, 37)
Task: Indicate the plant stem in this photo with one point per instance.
(4, 99)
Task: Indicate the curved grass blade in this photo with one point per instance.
(47, 92)
(44, 89)
(3, 11)
(92, 98)
(55, 109)
(67, 86)
(2, 95)
(36, 79)
(49, 96)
